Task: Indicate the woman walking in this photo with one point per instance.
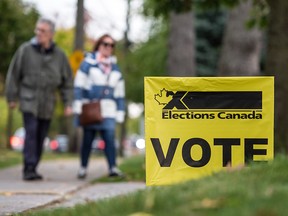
(99, 78)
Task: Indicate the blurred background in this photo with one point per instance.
(154, 38)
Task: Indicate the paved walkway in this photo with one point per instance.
(60, 187)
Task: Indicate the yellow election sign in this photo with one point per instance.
(197, 126)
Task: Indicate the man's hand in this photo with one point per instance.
(12, 104)
(68, 111)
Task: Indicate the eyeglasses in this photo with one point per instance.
(40, 30)
(105, 44)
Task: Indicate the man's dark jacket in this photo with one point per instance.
(34, 76)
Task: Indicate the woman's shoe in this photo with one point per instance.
(82, 173)
(115, 172)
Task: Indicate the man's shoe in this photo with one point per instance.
(28, 176)
(82, 173)
(38, 176)
(115, 172)
(31, 176)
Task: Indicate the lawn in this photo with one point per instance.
(17, 121)
(10, 158)
(260, 189)
(56, 124)
(133, 167)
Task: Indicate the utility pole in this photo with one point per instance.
(75, 134)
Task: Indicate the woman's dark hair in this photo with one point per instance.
(100, 40)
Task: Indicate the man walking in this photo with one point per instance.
(38, 69)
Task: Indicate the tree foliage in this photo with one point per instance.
(181, 34)
(17, 22)
(209, 27)
(162, 8)
(149, 58)
(258, 16)
(146, 59)
(64, 39)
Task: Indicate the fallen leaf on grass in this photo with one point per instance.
(231, 168)
(140, 214)
(209, 203)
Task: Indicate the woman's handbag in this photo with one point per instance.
(91, 113)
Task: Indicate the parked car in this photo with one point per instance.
(134, 144)
(98, 145)
(60, 143)
(137, 141)
(17, 140)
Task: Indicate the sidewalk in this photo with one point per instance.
(60, 187)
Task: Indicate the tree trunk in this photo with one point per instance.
(127, 43)
(241, 47)
(79, 29)
(277, 65)
(181, 52)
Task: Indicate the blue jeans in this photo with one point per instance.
(108, 135)
(36, 130)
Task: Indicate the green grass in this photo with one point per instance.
(16, 123)
(133, 167)
(260, 189)
(10, 158)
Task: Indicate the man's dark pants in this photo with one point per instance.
(36, 131)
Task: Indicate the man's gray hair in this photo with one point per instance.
(49, 22)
